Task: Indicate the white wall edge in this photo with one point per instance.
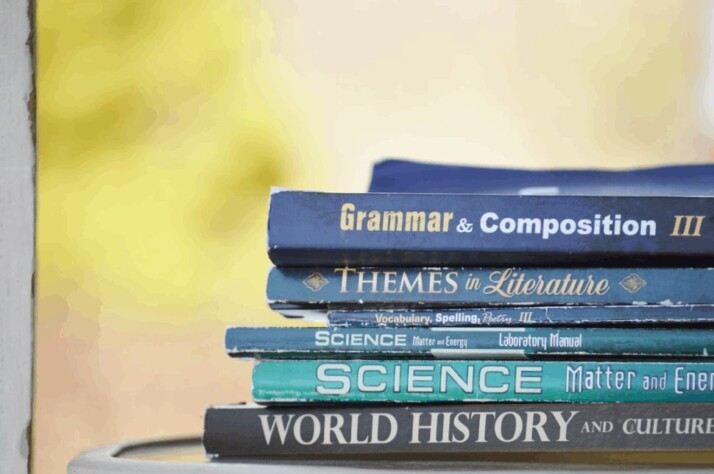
(17, 217)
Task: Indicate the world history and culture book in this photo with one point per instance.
(459, 429)
(606, 315)
(292, 289)
(311, 228)
(419, 381)
(469, 343)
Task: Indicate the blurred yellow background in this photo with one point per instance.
(162, 125)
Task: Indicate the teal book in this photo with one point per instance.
(469, 343)
(419, 381)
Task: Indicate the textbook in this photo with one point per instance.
(606, 315)
(419, 381)
(468, 343)
(311, 228)
(292, 289)
(406, 176)
(252, 430)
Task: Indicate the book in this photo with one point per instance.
(405, 176)
(419, 381)
(469, 343)
(292, 289)
(606, 315)
(252, 430)
(310, 228)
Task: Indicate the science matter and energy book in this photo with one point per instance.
(419, 381)
(460, 429)
(469, 343)
(606, 315)
(292, 289)
(310, 228)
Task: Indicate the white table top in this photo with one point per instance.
(185, 455)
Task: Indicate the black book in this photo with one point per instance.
(456, 429)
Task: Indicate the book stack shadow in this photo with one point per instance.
(454, 324)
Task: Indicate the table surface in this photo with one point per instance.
(186, 455)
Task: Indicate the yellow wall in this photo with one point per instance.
(162, 125)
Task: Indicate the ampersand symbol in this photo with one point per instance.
(464, 226)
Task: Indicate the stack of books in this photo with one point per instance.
(466, 323)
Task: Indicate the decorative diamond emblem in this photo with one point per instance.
(633, 283)
(316, 281)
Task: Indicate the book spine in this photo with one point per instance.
(306, 228)
(457, 429)
(380, 288)
(468, 343)
(525, 316)
(415, 381)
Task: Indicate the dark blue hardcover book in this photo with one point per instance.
(309, 228)
(321, 288)
(434, 381)
(404, 176)
(468, 343)
(606, 315)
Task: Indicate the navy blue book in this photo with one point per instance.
(605, 315)
(468, 343)
(403, 176)
(311, 228)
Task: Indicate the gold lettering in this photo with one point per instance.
(345, 271)
(508, 284)
(360, 218)
(434, 222)
(434, 282)
(447, 218)
(529, 287)
(373, 222)
(347, 218)
(411, 285)
(688, 220)
(361, 281)
(415, 221)
(390, 282)
(498, 278)
(602, 287)
(392, 221)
